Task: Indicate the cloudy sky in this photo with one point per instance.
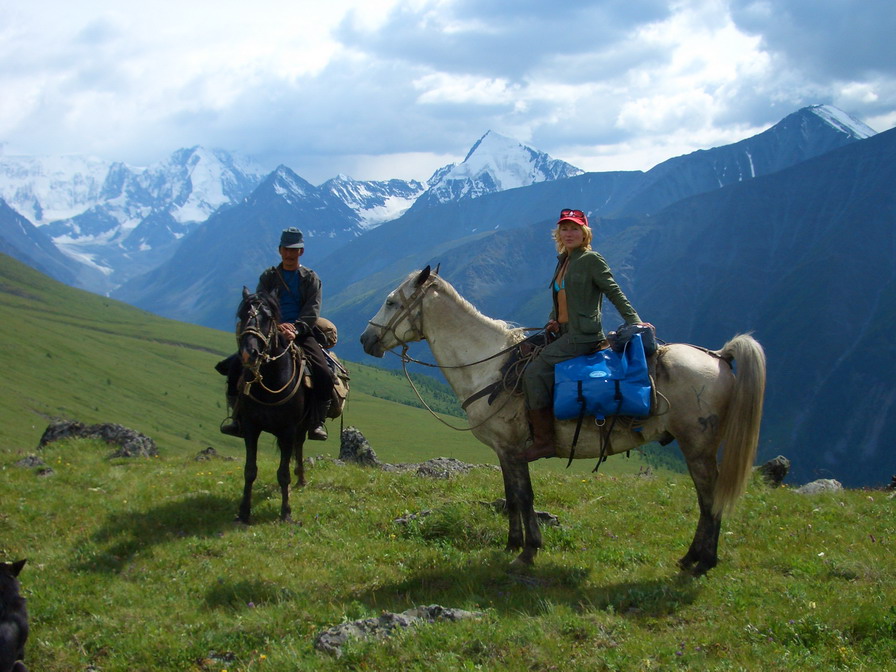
(397, 88)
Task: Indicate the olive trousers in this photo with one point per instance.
(538, 380)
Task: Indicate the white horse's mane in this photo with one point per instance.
(516, 333)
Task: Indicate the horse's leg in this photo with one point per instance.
(298, 450)
(285, 442)
(523, 524)
(703, 552)
(250, 472)
(515, 536)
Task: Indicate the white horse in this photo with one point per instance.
(700, 402)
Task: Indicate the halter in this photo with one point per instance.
(407, 304)
(268, 339)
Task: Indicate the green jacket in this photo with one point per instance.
(588, 279)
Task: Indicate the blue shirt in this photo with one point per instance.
(291, 301)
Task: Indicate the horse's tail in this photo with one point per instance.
(740, 427)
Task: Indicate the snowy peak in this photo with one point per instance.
(44, 188)
(495, 163)
(375, 202)
(842, 121)
(203, 180)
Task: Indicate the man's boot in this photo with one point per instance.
(232, 428)
(542, 421)
(319, 432)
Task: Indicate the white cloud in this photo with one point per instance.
(393, 85)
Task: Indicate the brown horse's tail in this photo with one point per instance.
(740, 428)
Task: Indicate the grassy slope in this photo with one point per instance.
(76, 355)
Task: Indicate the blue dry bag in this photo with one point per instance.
(605, 383)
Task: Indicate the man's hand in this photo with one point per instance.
(288, 330)
(553, 326)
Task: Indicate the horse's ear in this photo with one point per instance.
(245, 292)
(438, 266)
(423, 277)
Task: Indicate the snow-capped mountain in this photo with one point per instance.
(44, 189)
(494, 163)
(118, 222)
(118, 219)
(375, 202)
(205, 274)
(843, 121)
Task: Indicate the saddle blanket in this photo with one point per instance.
(604, 383)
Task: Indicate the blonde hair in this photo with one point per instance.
(586, 243)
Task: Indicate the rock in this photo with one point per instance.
(30, 462)
(131, 443)
(442, 467)
(775, 471)
(355, 448)
(211, 454)
(821, 485)
(404, 520)
(333, 639)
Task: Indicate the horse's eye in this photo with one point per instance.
(391, 303)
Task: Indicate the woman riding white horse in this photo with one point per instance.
(581, 280)
(704, 406)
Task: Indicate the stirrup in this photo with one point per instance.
(231, 428)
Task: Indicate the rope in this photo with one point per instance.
(405, 358)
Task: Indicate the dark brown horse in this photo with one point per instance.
(13, 618)
(272, 397)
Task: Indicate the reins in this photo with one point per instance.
(265, 358)
(405, 359)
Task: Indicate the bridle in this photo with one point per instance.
(406, 305)
(269, 339)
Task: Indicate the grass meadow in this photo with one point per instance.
(136, 564)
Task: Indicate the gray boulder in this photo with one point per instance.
(355, 448)
(130, 442)
(333, 639)
(821, 485)
(774, 471)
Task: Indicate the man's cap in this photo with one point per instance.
(292, 237)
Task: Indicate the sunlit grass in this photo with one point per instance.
(137, 565)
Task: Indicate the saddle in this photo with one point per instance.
(512, 370)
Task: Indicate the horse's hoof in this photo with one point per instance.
(524, 559)
(240, 521)
(694, 567)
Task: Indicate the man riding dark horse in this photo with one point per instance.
(298, 290)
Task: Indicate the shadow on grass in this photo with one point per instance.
(533, 591)
(247, 593)
(125, 534)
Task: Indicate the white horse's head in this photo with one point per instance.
(399, 319)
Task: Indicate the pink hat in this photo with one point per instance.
(575, 216)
